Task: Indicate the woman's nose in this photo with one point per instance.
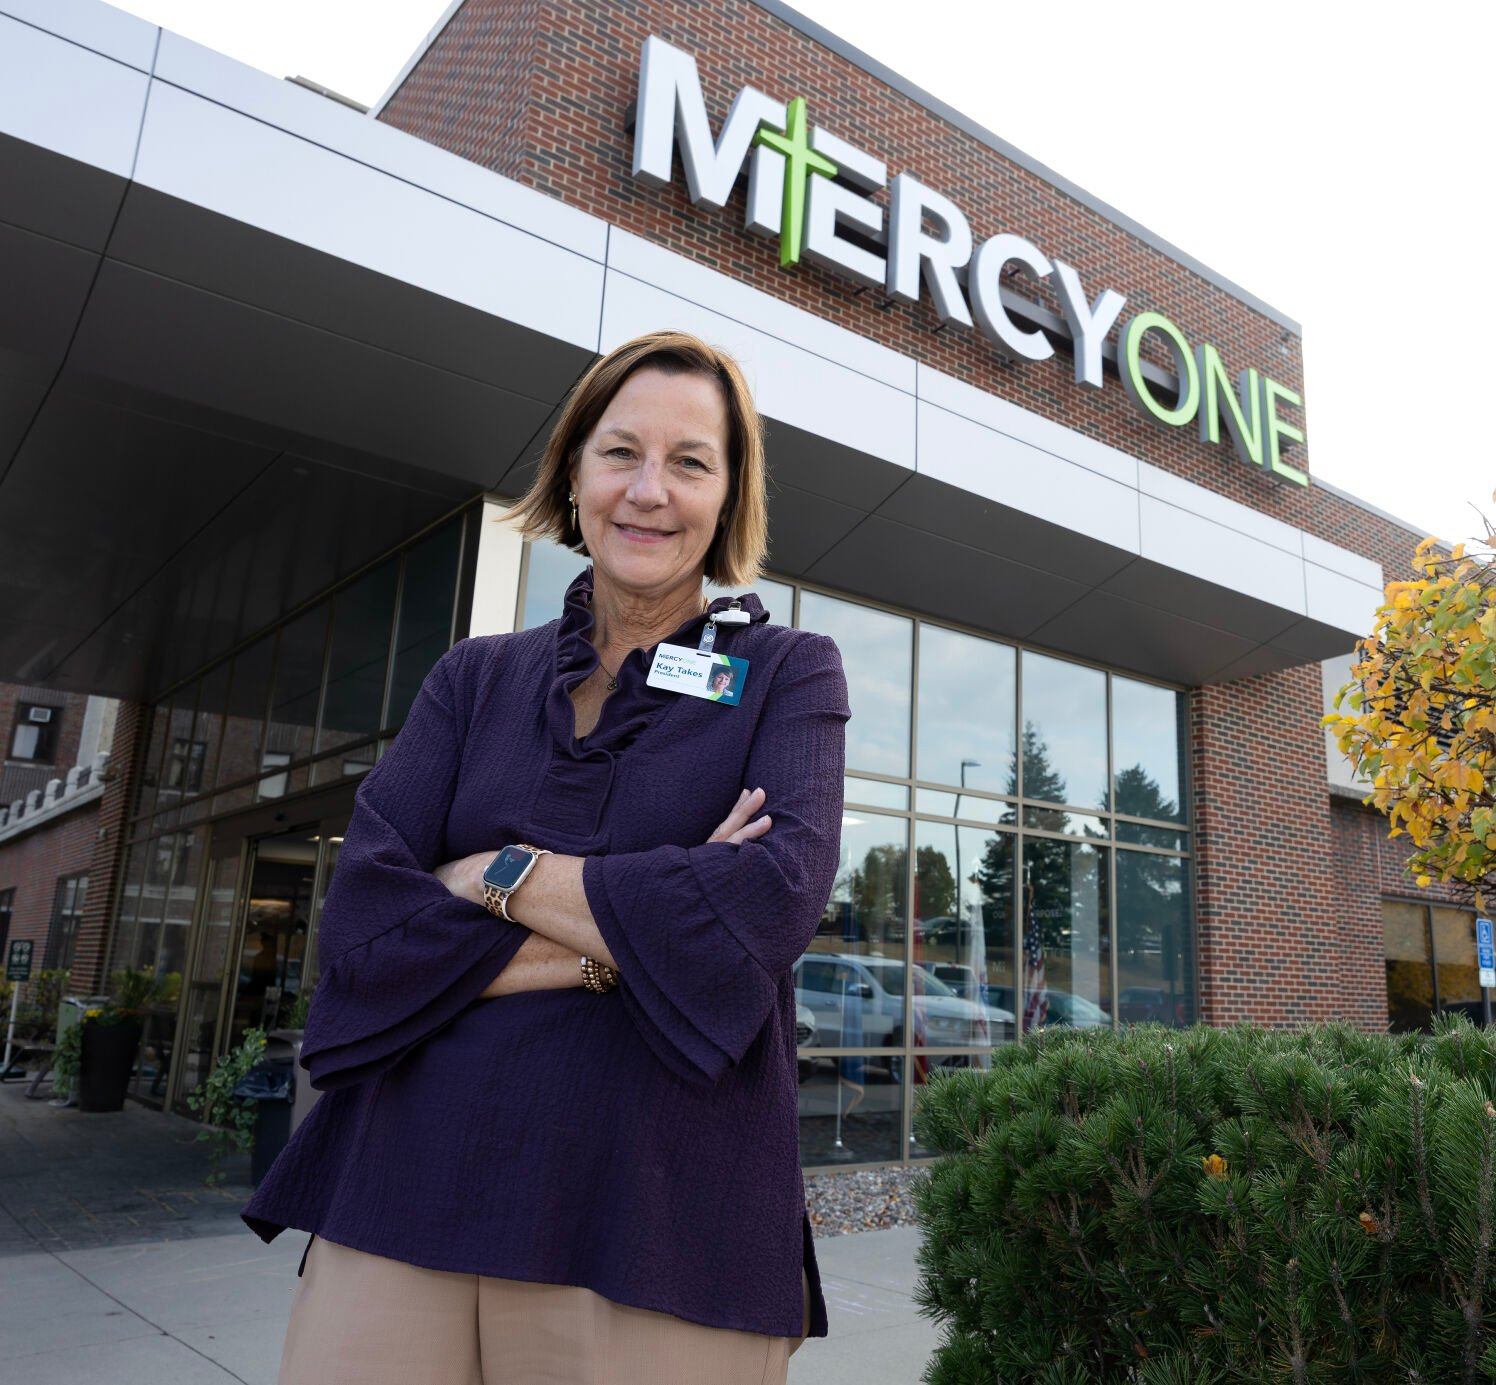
(648, 486)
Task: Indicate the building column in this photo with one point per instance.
(496, 578)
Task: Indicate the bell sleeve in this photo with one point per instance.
(399, 955)
(704, 935)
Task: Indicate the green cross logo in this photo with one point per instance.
(800, 161)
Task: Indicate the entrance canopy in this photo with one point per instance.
(253, 338)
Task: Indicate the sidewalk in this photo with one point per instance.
(117, 1264)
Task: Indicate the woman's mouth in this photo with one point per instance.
(642, 535)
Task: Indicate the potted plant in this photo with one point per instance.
(108, 1037)
(293, 1033)
(228, 1121)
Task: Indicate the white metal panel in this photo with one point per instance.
(294, 109)
(1339, 600)
(1219, 509)
(1003, 468)
(68, 99)
(1191, 543)
(219, 159)
(1003, 416)
(1343, 561)
(102, 28)
(796, 386)
(685, 278)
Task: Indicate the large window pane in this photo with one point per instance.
(778, 598)
(963, 935)
(207, 733)
(877, 651)
(207, 976)
(1410, 973)
(126, 939)
(1454, 951)
(1154, 973)
(866, 911)
(1066, 935)
(293, 703)
(851, 1112)
(551, 570)
(1148, 749)
(425, 625)
(244, 725)
(1064, 732)
(967, 710)
(361, 618)
(182, 766)
(150, 769)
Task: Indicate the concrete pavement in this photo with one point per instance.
(117, 1264)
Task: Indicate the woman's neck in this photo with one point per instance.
(624, 620)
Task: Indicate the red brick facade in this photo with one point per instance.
(1287, 908)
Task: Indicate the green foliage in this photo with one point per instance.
(66, 1060)
(1177, 1207)
(228, 1121)
(139, 990)
(295, 1017)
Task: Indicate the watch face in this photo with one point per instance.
(506, 869)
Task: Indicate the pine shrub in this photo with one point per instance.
(1183, 1207)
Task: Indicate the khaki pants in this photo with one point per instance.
(361, 1319)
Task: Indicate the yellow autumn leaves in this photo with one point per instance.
(1418, 719)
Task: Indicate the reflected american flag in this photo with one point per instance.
(1035, 991)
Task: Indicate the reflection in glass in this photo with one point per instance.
(425, 626)
(966, 711)
(361, 616)
(208, 732)
(875, 793)
(331, 849)
(1064, 731)
(1410, 973)
(938, 803)
(153, 1058)
(298, 681)
(851, 1112)
(1163, 837)
(551, 570)
(244, 726)
(150, 769)
(1066, 936)
(1154, 970)
(963, 934)
(273, 946)
(1148, 749)
(182, 763)
(201, 1018)
(1458, 981)
(865, 913)
(126, 938)
(1059, 820)
(877, 656)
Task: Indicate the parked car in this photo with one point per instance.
(805, 1035)
(1061, 1008)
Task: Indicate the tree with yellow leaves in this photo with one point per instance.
(1422, 720)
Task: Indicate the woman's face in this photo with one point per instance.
(652, 480)
(720, 681)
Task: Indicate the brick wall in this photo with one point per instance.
(31, 864)
(19, 777)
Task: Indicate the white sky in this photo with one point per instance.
(1328, 158)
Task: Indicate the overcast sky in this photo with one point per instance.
(1331, 159)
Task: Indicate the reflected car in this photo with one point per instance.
(832, 983)
(1141, 1004)
(805, 1035)
(1062, 1008)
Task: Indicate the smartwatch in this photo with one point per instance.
(506, 873)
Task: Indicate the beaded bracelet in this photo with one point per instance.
(597, 977)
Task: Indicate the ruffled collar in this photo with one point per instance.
(633, 704)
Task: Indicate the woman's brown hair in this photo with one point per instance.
(737, 553)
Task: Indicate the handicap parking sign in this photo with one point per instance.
(1485, 952)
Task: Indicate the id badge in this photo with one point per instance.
(716, 677)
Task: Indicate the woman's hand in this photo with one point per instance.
(737, 826)
(464, 876)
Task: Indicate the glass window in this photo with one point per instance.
(851, 1109)
(244, 724)
(1148, 733)
(550, 570)
(967, 710)
(424, 631)
(1458, 981)
(778, 598)
(875, 793)
(206, 988)
(361, 618)
(298, 681)
(126, 940)
(67, 910)
(1163, 837)
(1064, 731)
(939, 803)
(877, 654)
(1154, 970)
(866, 911)
(1066, 935)
(150, 769)
(963, 932)
(1059, 820)
(34, 736)
(182, 767)
(7, 908)
(211, 706)
(1410, 973)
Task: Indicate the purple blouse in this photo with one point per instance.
(643, 1143)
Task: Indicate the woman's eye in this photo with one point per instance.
(620, 452)
(694, 461)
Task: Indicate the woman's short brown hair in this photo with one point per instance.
(737, 553)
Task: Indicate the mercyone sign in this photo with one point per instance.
(805, 186)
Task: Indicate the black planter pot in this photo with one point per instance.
(104, 1068)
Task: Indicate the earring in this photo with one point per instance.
(573, 498)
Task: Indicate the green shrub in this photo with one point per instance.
(1182, 1207)
(228, 1121)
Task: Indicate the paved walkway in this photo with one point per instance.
(117, 1264)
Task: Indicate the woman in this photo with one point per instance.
(555, 1020)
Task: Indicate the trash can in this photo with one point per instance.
(272, 1083)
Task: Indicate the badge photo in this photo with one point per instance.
(725, 678)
